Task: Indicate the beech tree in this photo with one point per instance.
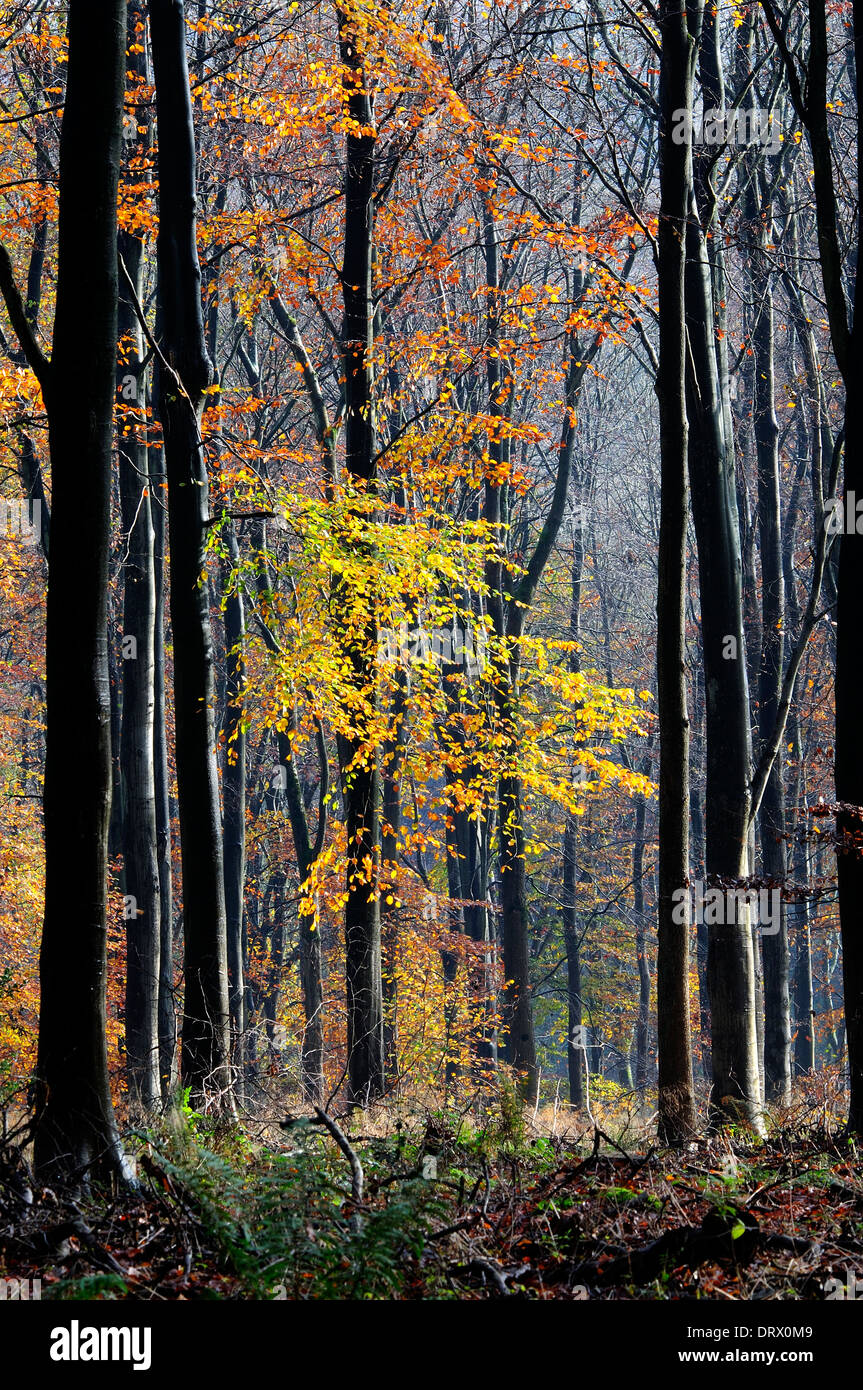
(140, 850)
(679, 30)
(76, 1129)
(184, 373)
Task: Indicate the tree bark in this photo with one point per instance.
(676, 1104)
(183, 379)
(166, 1008)
(774, 946)
(736, 1088)
(360, 770)
(234, 798)
(849, 655)
(76, 1130)
(642, 1026)
(845, 333)
(140, 858)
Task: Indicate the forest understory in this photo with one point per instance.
(407, 1202)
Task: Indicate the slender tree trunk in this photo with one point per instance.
(234, 797)
(140, 856)
(311, 973)
(576, 1051)
(849, 650)
(774, 945)
(696, 811)
(845, 331)
(166, 1008)
(642, 1026)
(392, 756)
(469, 880)
(360, 770)
(676, 1103)
(76, 1130)
(182, 383)
(736, 1089)
(798, 914)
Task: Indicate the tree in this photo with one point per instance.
(679, 29)
(360, 770)
(184, 375)
(140, 853)
(76, 1131)
(845, 329)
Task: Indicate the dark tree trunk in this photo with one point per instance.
(311, 973)
(450, 958)
(360, 771)
(76, 1129)
(182, 383)
(516, 1006)
(845, 331)
(642, 1026)
(736, 1089)
(849, 650)
(167, 1009)
(576, 1051)
(696, 811)
(676, 1105)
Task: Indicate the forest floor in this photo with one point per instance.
(444, 1208)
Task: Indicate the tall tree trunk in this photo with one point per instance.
(76, 1129)
(234, 797)
(642, 1026)
(696, 811)
(736, 1088)
(140, 857)
(166, 1007)
(469, 880)
(182, 383)
(849, 654)
(845, 334)
(774, 945)
(798, 912)
(360, 770)
(392, 755)
(576, 1051)
(676, 1104)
